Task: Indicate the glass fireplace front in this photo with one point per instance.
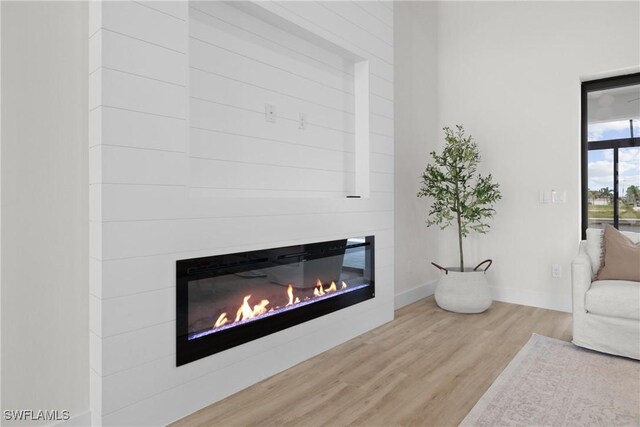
(227, 300)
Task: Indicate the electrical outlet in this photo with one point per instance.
(302, 121)
(270, 113)
(556, 270)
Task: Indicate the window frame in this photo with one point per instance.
(615, 144)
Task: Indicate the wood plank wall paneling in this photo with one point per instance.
(139, 21)
(165, 118)
(341, 33)
(238, 64)
(145, 238)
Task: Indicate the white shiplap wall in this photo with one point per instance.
(144, 165)
(237, 64)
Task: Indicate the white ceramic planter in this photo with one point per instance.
(466, 292)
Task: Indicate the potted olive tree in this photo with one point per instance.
(463, 197)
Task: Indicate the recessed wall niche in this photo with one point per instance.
(273, 109)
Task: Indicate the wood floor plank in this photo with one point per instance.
(428, 367)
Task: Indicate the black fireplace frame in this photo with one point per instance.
(212, 266)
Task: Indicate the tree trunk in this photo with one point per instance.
(460, 243)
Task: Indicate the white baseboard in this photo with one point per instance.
(532, 298)
(414, 294)
(80, 420)
(511, 295)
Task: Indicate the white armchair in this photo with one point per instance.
(606, 313)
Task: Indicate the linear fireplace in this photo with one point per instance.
(227, 300)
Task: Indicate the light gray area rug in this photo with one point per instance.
(554, 383)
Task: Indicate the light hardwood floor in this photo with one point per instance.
(428, 367)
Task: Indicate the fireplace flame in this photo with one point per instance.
(318, 291)
(222, 319)
(331, 288)
(290, 295)
(244, 311)
(247, 311)
(260, 308)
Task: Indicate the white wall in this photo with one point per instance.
(416, 86)
(145, 215)
(510, 72)
(239, 63)
(44, 248)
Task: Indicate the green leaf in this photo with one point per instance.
(459, 193)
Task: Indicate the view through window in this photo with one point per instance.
(611, 153)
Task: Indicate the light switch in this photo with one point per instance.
(542, 197)
(553, 197)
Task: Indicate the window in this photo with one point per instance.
(611, 153)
